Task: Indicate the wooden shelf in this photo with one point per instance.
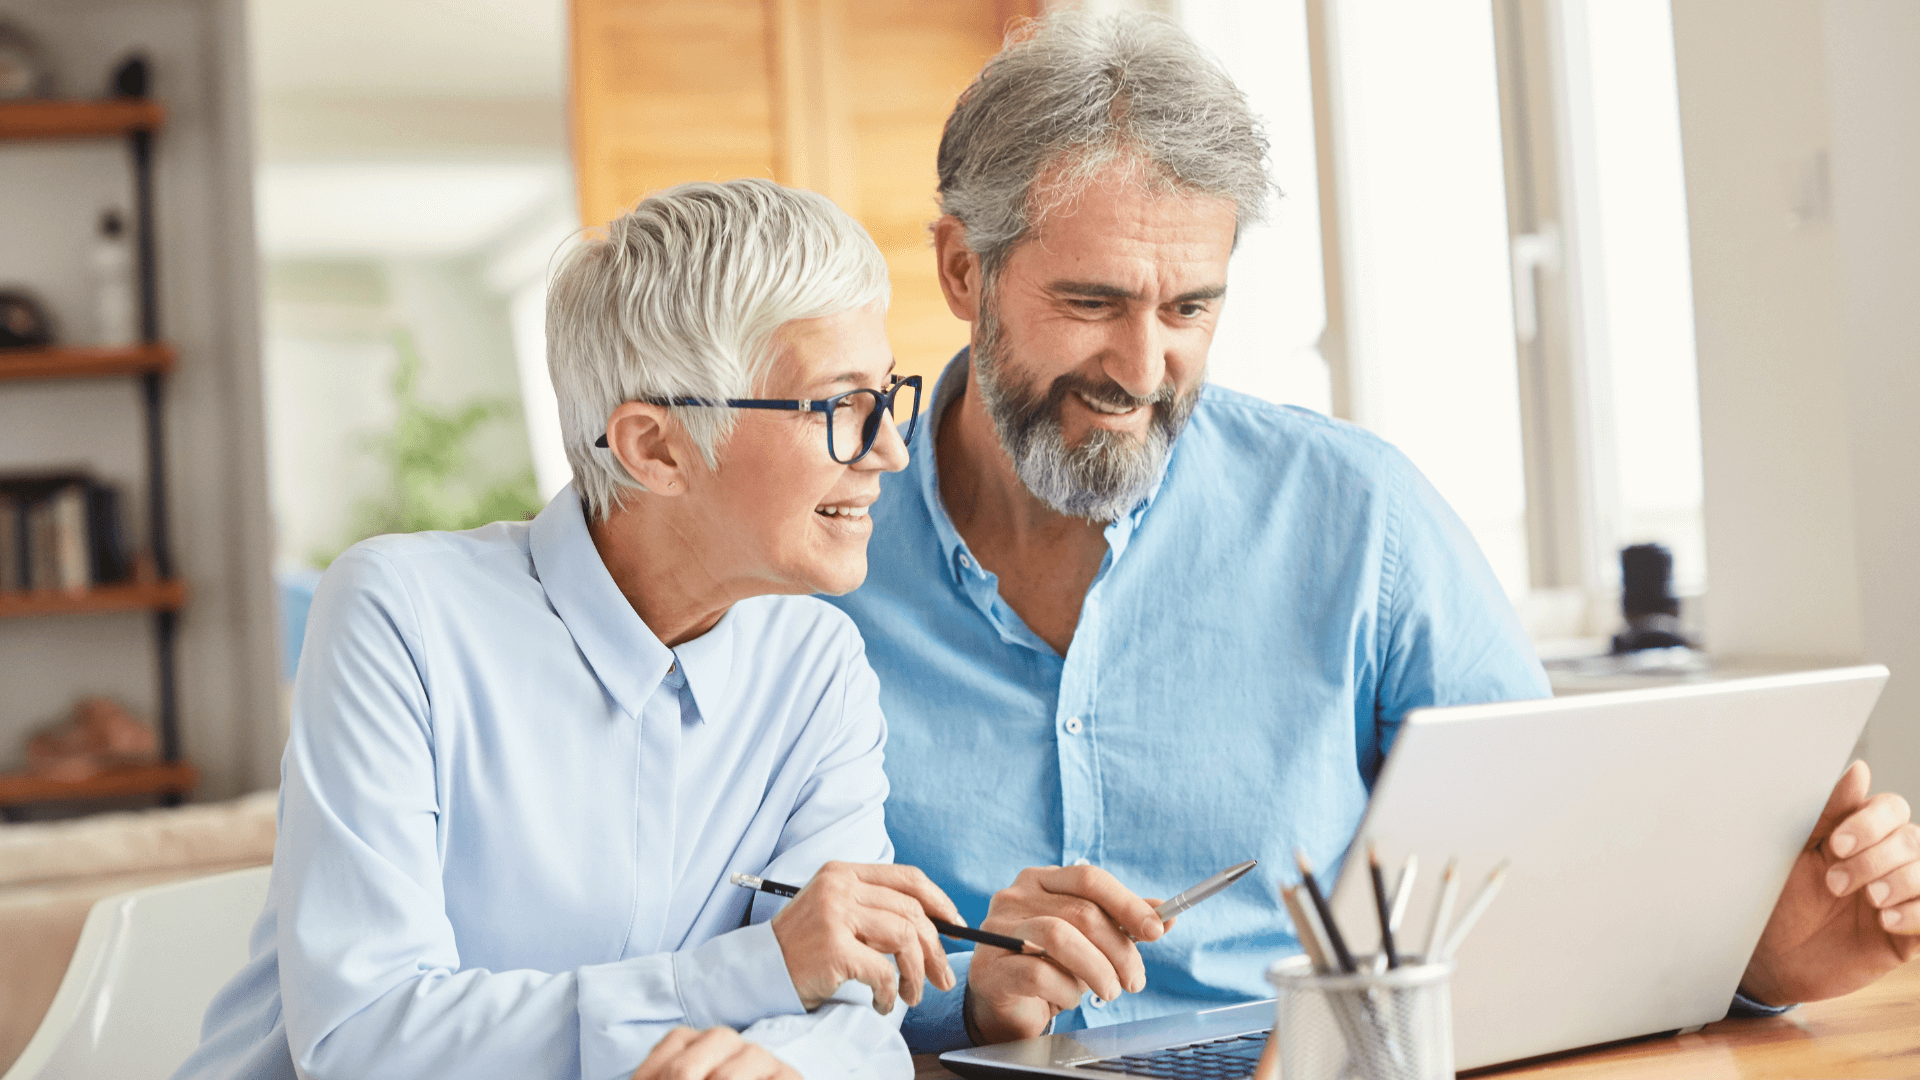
(130, 596)
(158, 778)
(84, 363)
(79, 119)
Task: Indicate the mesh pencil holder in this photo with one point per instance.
(1393, 1025)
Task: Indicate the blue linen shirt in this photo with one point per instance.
(508, 814)
(1258, 627)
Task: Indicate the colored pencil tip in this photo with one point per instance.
(1300, 859)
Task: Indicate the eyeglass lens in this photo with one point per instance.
(855, 421)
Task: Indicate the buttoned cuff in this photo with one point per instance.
(735, 979)
(1745, 1008)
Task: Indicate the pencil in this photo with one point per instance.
(1449, 888)
(1403, 889)
(1326, 914)
(1474, 911)
(946, 929)
(1382, 907)
(1305, 929)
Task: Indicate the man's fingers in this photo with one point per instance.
(914, 882)
(1069, 948)
(1903, 919)
(1900, 848)
(1154, 902)
(1098, 928)
(1849, 794)
(1898, 887)
(1134, 915)
(1047, 981)
(1868, 825)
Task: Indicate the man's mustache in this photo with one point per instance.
(1105, 392)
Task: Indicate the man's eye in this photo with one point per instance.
(1191, 309)
(1089, 305)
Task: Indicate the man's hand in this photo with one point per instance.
(714, 1054)
(1851, 910)
(850, 918)
(1088, 923)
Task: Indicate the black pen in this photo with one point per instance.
(1321, 909)
(1385, 909)
(947, 929)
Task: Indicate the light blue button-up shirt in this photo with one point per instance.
(1257, 629)
(508, 813)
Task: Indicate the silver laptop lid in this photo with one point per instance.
(1649, 834)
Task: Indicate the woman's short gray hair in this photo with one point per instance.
(1079, 93)
(681, 298)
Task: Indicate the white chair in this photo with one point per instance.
(148, 962)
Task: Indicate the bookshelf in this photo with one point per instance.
(68, 362)
(156, 596)
(79, 119)
(153, 589)
(119, 781)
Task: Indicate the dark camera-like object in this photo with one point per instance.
(23, 322)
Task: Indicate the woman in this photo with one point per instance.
(525, 759)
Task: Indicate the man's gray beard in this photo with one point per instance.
(1110, 471)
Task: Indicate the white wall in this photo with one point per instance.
(220, 530)
(1873, 97)
(1807, 303)
(1773, 414)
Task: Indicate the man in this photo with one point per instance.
(1133, 629)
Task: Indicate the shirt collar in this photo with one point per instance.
(946, 392)
(707, 664)
(624, 653)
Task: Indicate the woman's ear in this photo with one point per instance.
(959, 268)
(641, 437)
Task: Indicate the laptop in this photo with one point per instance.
(1648, 834)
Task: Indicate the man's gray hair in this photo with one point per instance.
(681, 298)
(1080, 94)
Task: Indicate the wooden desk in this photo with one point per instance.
(1874, 1033)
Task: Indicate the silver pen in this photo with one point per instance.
(1205, 889)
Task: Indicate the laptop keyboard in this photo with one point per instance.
(1216, 1059)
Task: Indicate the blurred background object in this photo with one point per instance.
(99, 734)
(24, 71)
(1647, 601)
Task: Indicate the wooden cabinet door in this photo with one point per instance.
(846, 97)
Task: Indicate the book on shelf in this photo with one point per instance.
(62, 531)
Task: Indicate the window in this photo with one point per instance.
(1505, 289)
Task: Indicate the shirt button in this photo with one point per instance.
(1096, 1002)
(966, 560)
(1073, 725)
(1082, 861)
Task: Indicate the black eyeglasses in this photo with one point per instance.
(852, 417)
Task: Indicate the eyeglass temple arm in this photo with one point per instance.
(788, 404)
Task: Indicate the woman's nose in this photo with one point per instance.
(889, 451)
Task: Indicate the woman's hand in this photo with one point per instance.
(714, 1054)
(850, 918)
